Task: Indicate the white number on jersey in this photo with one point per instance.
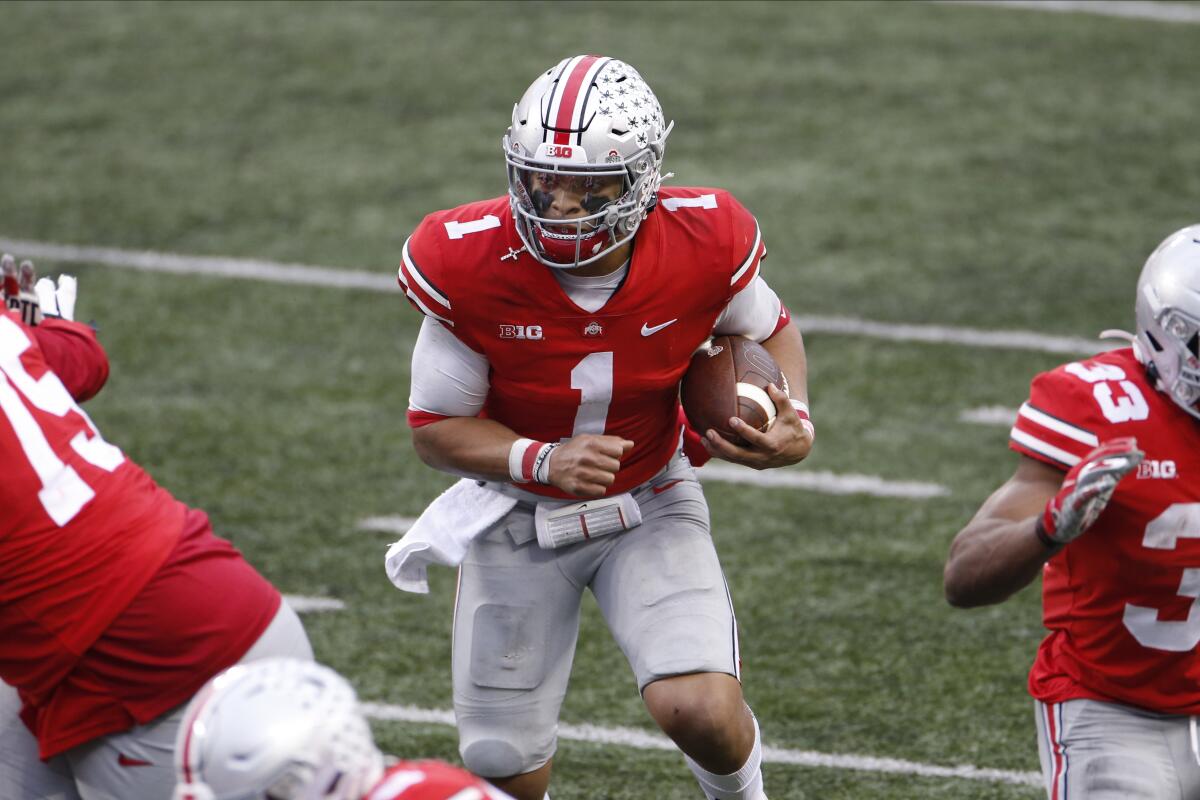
(593, 377)
(457, 230)
(63, 492)
(703, 201)
(1179, 521)
(1128, 406)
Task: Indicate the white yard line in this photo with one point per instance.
(947, 334)
(820, 481)
(1157, 12)
(646, 740)
(385, 281)
(396, 525)
(307, 605)
(989, 415)
(250, 269)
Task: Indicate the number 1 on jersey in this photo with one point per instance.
(593, 377)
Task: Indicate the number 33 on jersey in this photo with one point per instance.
(1123, 602)
(559, 370)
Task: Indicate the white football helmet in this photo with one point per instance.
(593, 121)
(276, 729)
(1168, 317)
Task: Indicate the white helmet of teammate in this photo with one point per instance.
(593, 123)
(277, 729)
(1168, 316)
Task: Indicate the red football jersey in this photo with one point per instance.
(432, 780)
(82, 529)
(557, 370)
(1122, 602)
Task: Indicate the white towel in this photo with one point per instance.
(442, 534)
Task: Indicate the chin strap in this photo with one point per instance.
(1150, 367)
(1125, 336)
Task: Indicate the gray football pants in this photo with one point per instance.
(659, 587)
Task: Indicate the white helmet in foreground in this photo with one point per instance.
(1168, 317)
(276, 729)
(592, 122)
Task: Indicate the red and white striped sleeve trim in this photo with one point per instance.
(1048, 438)
(428, 299)
(748, 269)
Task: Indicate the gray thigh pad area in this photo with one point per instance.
(508, 647)
(662, 591)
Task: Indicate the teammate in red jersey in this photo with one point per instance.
(1116, 683)
(559, 321)
(293, 730)
(117, 602)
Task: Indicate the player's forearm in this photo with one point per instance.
(786, 346)
(991, 559)
(466, 446)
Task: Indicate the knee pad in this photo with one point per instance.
(495, 758)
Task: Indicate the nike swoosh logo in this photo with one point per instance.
(648, 331)
(125, 761)
(665, 486)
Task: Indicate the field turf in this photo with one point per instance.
(908, 162)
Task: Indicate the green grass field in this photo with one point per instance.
(909, 163)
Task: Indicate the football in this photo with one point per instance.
(726, 378)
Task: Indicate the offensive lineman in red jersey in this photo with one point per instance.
(1116, 683)
(284, 729)
(559, 321)
(117, 602)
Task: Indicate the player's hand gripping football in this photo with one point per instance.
(34, 299)
(787, 441)
(1087, 489)
(587, 465)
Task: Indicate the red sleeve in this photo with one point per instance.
(748, 248)
(1060, 423)
(419, 419)
(785, 317)
(73, 352)
(420, 266)
(425, 276)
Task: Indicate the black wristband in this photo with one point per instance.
(1040, 531)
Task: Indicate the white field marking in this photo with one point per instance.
(253, 269)
(820, 481)
(305, 605)
(945, 334)
(989, 415)
(396, 525)
(1159, 12)
(646, 740)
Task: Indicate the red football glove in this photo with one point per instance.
(1086, 490)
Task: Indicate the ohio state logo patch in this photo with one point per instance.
(593, 328)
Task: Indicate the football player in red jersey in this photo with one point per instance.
(117, 602)
(559, 320)
(285, 729)
(1116, 683)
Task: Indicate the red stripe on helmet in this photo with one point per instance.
(198, 707)
(566, 105)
